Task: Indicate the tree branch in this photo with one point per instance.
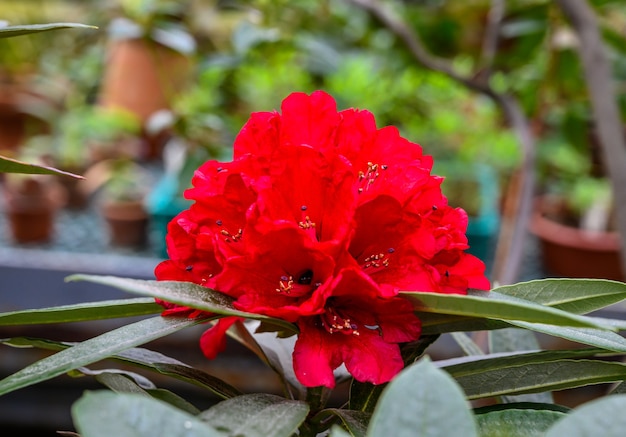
(492, 33)
(512, 239)
(606, 113)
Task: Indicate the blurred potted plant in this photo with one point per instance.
(84, 135)
(31, 205)
(149, 59)
(122, 187)
(574, 218)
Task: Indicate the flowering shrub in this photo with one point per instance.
(320, 220)
(332, 237)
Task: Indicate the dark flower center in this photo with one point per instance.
(306, 278)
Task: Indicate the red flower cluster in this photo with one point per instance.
(320, 219)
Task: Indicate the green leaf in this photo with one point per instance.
(364, 396)
(106, 414)
(128, 382)
(517, 340)
(9, 165)
(536, 377)
(604, 416)
(147, 359)
(593, 337)
(119, 380)
(354, 421)
(25, 29)
(93, 350)
(422, 400)
(467, 345)
(512, 340)
(496, 306)
(198, 377)
(578, 296)
(516, 422)
(174, 400)
(182, 293)
(25, 342)
(434, 323)
(257, 415)
(81, 312)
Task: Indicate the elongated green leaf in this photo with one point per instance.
(604, 416)
(84, 311)
(128, 382)
(25, 342)
(364, 396)
(93, 350)
(174, 400)
(118, 379)
(517, 422)
(592, 337)
(257, 415)
(106, 414)
(512, 340)
(198, 377)
(467, 345)
(147, 359)
(422, 400)
(471, 365)
(540, 377)
(354, 421)
(516, 340)
(9, 165)
(25, 29)
(578, 296)
(433, 323)
(496, 306)
(181, 293)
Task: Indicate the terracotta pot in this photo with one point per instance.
(572, 252)
(31, 208)
(143, 77)
(127, 222)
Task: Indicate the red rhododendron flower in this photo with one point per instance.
(320, 220)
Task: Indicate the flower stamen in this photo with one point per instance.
(285, 285)
(306, 223)
(368, 177)
(228, 237)
(378, 260)
(333, 322)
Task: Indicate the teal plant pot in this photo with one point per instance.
(163, 204)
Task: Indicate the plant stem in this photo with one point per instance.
(316, 398)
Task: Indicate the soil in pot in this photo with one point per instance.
(568, 251)
(127, 222)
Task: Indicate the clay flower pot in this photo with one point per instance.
(143, 77)
(31, 207)
(127, 222)
(571, 252)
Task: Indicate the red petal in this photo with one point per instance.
(213, 340)
(316, 356)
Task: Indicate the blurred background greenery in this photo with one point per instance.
(235, 57)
